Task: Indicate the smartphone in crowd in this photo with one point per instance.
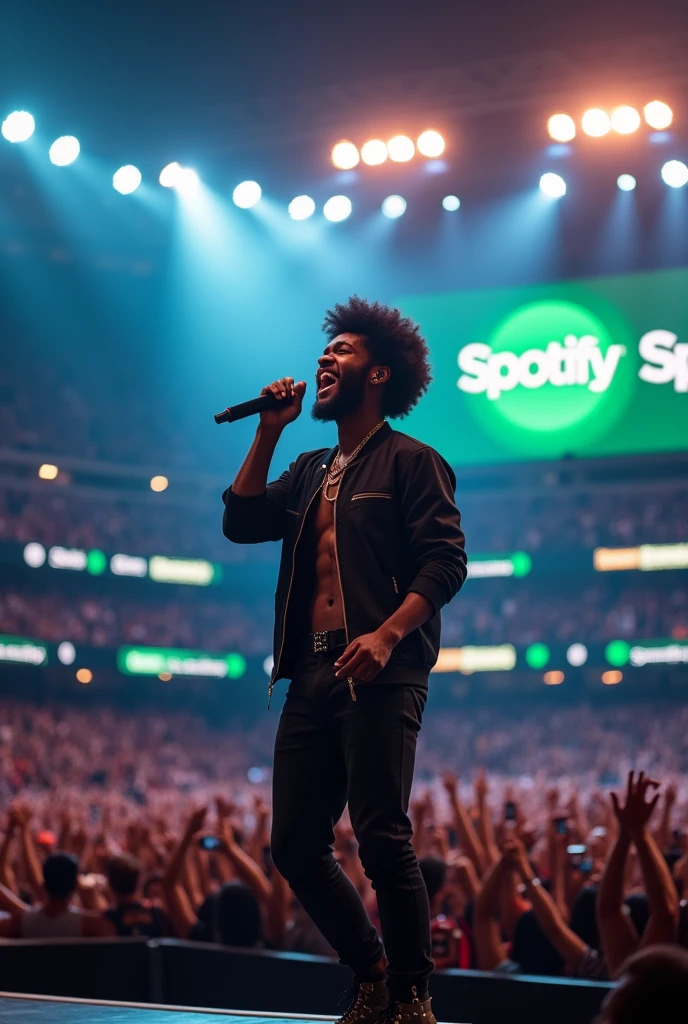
(209, 842)
(562, 826)
(510, 814)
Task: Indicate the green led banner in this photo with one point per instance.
(588, 368)
(21, 651)
(155, 661)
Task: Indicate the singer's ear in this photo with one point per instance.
(380, 376)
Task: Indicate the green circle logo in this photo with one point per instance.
(537, 655)
(96, 562)
(617, 653)
(551, 373)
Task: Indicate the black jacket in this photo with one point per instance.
(397, 529)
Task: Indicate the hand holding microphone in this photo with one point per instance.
(278, 404)
(289, 397)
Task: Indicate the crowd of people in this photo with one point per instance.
(499, 612)
(158, 825)
(502, 522)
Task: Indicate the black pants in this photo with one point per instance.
(330, 750)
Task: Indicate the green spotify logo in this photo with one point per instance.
(548, 368)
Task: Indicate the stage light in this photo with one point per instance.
(561, 128)
(596, 123)
(47, 471)
(187, 181)
(401, 149)
(658, 115)
(66, 652)
(84, 675)
(675, 174)
(626, 182)
(18, 126)
(553, 678)
(337, 208)
(247, 194)
(127, 179)
(393, 206)
(164, 677)
(577, 655)
(625, 120)
(374, 152)
(345, 155)
(159, 483)
(169, 174)
(301, 208)
(64, 150)
(553, 185)
(451, 203)
(430, 144)
(612, 677)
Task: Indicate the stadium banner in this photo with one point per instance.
(593, 367)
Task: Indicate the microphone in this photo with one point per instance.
(250, 408)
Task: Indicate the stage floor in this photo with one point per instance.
(47, 1010)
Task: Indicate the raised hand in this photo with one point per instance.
(637, 811)
(515, 855)
(450, 781)
(196, 821)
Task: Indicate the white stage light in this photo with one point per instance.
(64, 150)
(187, 181)
(18, 126)
(577, 655)
(675, 174)
(301, 208)
(451, 203)
(337, 208)
(374, 152)
(658, 115)
(553, 185)
(169, 174)
(247, 194)
(596, 123)
(394, 206)
(345, 155)
(401, 149)
(431, 144)
(561, 127)
(626, 182)
(625, 120)
(127, 179)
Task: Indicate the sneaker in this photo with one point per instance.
(417, 1012)
(370, 1004)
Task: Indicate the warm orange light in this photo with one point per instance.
(625, 120)
(47, 471)
(658, 115)
(374, 152)
(553, 678)
(401, 149)
(431, 144)
(596, 123)
(84, 675)
(612, 677)
(345, 155)
(159, 483)
(165, 676)
(561, 127)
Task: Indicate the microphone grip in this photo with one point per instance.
(250, 408)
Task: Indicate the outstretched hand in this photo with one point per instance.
(637, 811)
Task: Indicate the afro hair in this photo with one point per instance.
(393, 340)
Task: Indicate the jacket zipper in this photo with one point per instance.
(275, 668)
(341, 592)
(396, 586)
(371, 494)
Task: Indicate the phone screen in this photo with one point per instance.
(510, 811)
(561, 826)
(209, 842)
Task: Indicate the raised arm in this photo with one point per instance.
(6, 873)
(247, 870)
(485, 823)
(662, 897)
(32, 861)
(567, 944)
(179, 906)
(490, 949)
(618, 936)
(255, 511)
(468, 837)
(663, 830)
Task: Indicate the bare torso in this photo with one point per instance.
(326, 610)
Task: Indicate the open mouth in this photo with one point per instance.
(326, 381)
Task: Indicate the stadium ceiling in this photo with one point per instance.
(471, 88)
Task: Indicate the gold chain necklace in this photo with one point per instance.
(335, 474)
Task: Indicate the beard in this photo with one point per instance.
(348, 397)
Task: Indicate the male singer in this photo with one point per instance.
(372, 548)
